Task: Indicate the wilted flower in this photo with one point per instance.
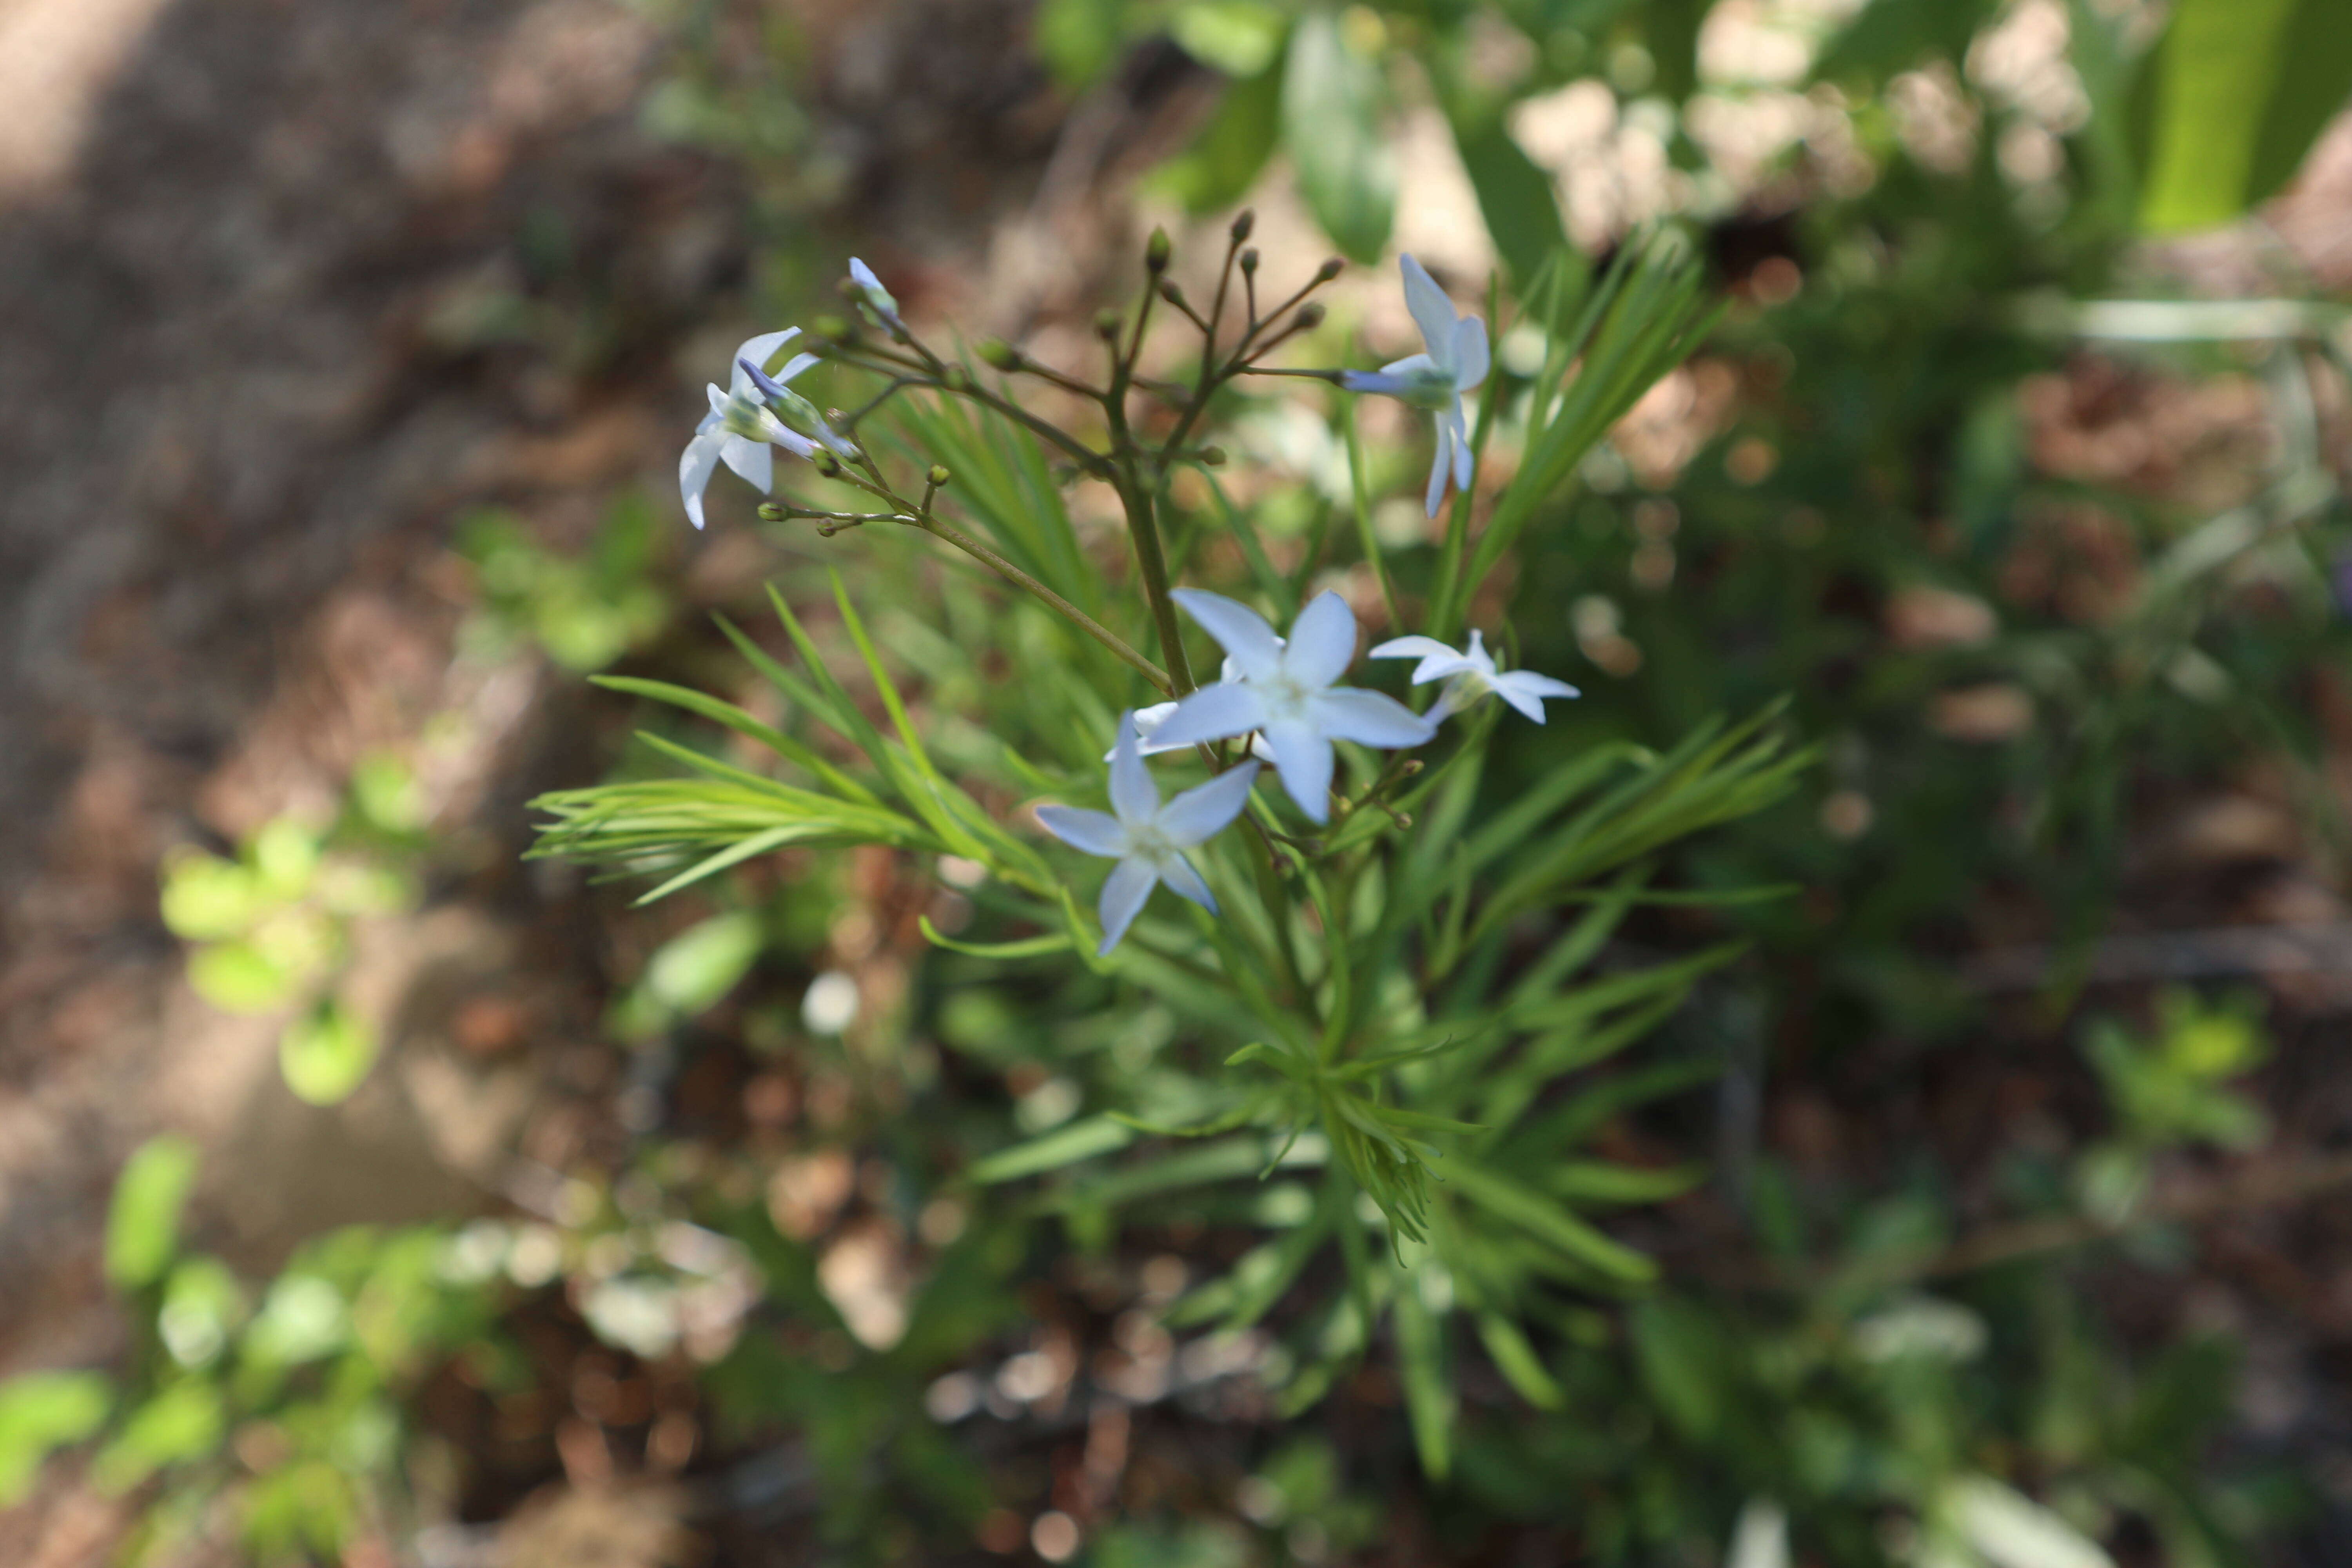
(741, 426)
(1455, 362)
(1148, 839)
(1470, 675)
(1286, 692)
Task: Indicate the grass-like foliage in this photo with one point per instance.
(1396, 993)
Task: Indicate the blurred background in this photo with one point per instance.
(370, 1194)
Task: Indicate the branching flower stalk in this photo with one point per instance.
(1385, 972)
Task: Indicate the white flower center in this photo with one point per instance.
(1285, 699)
(1148, 842)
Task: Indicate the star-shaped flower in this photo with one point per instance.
(1148, 839)
(1455, 362)
(741, 426)
(1470, 675)
(874, 297)
(1148, 719)
(1286, 692)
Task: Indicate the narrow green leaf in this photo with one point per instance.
(1545, 1220)
(1517, 1360)
(1063, 1146)
(1429, 1398)
(1029, 947)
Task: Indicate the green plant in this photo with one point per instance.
(1386, 1006)
(270, 928)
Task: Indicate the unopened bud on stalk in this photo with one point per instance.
(1412, 766)
(1249, 259)
(1329, 269)
(1000, 353)
(955, 378)
(826, 463)
(771, 512)
(1170, 292)
(939, 476)
(1309, 317)
(834, 329)
(1106, 325)
(1215, 457)
(1156, 250)
(1244, 221)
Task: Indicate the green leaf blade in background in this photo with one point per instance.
(2241, 88)
(326, 1054)
(1333, 95)
(1226, 159)
(143, 1226)
(1514, 198)
(40, 1413)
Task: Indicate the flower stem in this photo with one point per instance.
(1136, 497)
(1070, 612)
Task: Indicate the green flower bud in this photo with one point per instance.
(1249, 259)
(1215, 457)
(939, 476)
(834, 329)
(1156, 250)
(1243, 221)
(1107, 324)
(1170, 292)
(1309, 317)
(1329, 269)
(826, 463)
(955, 378)
(996, 351)
(769, 512)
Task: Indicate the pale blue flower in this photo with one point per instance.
(1455, 362)
(741, 426)
(1286, 692)
(1148, 839)
(1470, 676)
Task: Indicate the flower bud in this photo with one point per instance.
(1107, 324)
(1156, 250)
(771, 512)
(1309, 317)
(826, 463)
(1249, 259)
(996, 351)
(834, 329)
(955, 378)
(1246, 220)
(1170, 292)
(1215, 457)
(939, 476)
(1329, 269)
